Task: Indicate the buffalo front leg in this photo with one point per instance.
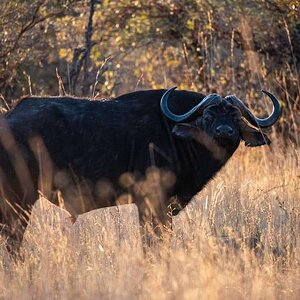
(155, 221)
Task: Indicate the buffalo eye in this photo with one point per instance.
(236, 119)
(207, 119)
(198, 122)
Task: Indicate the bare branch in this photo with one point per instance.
(30, 25)
(88, 47)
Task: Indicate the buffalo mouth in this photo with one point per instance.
(224, 140)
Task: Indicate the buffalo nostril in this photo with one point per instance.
(224, 130)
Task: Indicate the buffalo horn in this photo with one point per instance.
(257, 122)
(208, 100)
(214, 99)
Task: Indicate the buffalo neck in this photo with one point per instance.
(196, 165)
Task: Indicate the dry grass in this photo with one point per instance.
(239, 238)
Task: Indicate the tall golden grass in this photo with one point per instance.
(239, 238)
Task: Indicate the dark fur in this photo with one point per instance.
(101, 140)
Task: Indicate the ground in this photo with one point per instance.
(238, 238)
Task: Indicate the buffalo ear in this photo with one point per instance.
(184, 131)
(253, 137)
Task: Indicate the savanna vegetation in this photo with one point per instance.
(240, 237)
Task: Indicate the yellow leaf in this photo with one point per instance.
(63, 53)
(190, 24)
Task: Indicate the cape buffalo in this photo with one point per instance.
(156, 148)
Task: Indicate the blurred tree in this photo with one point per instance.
(110, 47)
(25, 37)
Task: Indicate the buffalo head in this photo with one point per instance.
(220, 123)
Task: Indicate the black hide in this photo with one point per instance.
(96, 141)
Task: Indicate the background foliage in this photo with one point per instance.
(105, 48)
(240, 237)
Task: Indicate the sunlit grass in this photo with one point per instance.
(239, 238)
